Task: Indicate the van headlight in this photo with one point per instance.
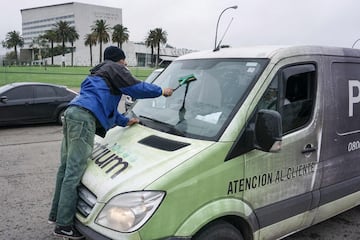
(129, 211)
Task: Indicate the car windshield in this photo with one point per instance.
(153, 75)
(4, 88)
(200, 108)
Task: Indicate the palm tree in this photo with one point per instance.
(12, 40)
(90, 40)
(101, 31)
(43, 46)
(73, 36)
(63, 30)
(120, 35)
(50, 35)
(150, 42)
(160, 36)
(34, 45)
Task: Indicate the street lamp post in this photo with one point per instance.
(355, 43)
(217, 25)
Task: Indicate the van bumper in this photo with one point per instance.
(91, 234)
(177, 238)
(88, 232)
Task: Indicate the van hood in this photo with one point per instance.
(131, 158)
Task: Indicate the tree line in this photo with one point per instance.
(63, 33)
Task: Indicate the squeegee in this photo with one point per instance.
(185, 80)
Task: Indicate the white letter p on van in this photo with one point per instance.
(352, 98)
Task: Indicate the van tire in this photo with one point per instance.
(219, 230)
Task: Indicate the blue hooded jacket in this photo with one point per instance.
(101, 92)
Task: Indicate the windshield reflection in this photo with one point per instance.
(199, 108)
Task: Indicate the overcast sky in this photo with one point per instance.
(191, 23)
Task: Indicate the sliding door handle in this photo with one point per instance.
(308, 149)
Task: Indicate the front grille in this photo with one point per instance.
(86, 201)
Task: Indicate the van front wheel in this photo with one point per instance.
(219, 230)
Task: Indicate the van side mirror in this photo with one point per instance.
(268, 130)
(3, 99)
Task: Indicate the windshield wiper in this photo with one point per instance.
(168, 127)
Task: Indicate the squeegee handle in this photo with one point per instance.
(176, 88)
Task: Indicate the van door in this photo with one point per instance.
(340, 151)
(279, 185)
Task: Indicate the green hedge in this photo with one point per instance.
(68, 76)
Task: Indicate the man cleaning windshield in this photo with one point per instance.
(94, 110)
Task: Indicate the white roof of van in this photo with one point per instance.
(270, 51)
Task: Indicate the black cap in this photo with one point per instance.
(114, 54)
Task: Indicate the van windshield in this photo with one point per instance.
(203, 107)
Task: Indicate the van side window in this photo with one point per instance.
(292, 94)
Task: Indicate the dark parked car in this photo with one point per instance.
(29, 102)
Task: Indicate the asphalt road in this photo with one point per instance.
(29, 158)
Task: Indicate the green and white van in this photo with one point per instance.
(265, 142)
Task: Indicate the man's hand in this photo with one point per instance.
(132, 121)
(167, 92)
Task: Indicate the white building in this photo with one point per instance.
(35, 21)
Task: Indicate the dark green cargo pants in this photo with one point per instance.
(76, 148)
